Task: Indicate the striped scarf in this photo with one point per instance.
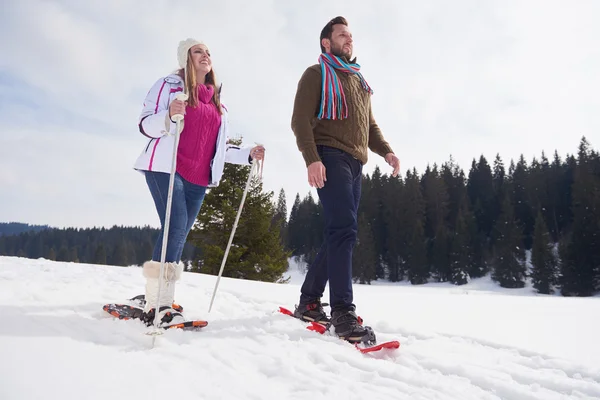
(333, 99)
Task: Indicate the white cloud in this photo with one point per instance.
(462, 78)
(72, 178)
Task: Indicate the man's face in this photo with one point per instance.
(341, 43)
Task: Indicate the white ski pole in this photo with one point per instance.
(177, 118)
(237, 218)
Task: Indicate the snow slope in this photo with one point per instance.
(469, 342)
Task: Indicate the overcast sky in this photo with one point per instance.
(460, 78)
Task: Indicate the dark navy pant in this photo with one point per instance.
(186, 202)
(340, 197)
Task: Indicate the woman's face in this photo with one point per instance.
(201, 58)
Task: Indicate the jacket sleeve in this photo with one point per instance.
(237, 155)
(154, 120)
(306, 102)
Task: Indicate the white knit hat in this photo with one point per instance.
(182, 50)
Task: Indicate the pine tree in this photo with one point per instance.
(256, 252)
(454, 180)
(50, 255)
(412, 221)
(440, 255)
(566, 193)
(280, 217)
(294, 233)
(372, 204)
(418, 273)
(36, 249)
(88, 251)
(131, 253)
(509, 254)
(539, 188)
(498, 181)
(436, 212)
(480, 265)
(364, 256)
(100, 255)
(580, 254)
(316, 226)
(378, 221)
(119, 255)
(63, 254)
(461, 257)
(308, 229)
(481, 193)
(73, 254)
(523, 210)
(394, 236)
(466, 258)
(145, 252)
(480, 188)
(543, 259)
(554, 177)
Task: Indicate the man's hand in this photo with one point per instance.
(391, 159)
(316, 175)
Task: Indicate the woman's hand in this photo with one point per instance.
(176, 107)
(257, 153)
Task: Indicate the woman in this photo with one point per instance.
(201, 154)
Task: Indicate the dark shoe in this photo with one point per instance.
(167, 316)
(312, 312)
(348, 326)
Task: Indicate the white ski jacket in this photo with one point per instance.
(155, 124)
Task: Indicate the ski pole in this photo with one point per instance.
(262, 163)
(177, 118)
(237, 218)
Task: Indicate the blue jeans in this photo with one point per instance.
(340, 197)
(186, 202)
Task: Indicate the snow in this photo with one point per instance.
(476, 341)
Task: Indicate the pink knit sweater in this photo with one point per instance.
(198, 139)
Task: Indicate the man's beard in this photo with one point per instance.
(339, 51)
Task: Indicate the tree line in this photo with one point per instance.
(257, 252)
(537, 220)
(449, 226)
(118, 245)
(14, 228)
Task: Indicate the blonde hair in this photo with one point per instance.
(191, 85)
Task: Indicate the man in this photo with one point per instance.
(334, 128)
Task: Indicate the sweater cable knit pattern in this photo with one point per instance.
(355, 135)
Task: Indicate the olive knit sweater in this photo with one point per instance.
(354, 135)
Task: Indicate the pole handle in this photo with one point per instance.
(182, 97)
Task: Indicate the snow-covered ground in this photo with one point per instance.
(471, 342)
